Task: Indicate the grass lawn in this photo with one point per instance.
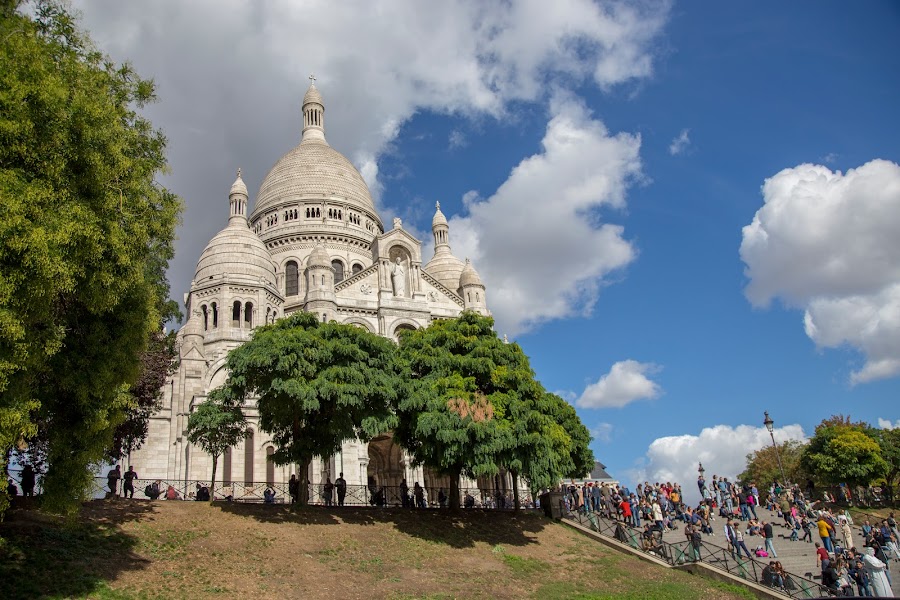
(142, 549)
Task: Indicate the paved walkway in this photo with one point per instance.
(798, 558)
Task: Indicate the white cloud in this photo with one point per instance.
(681, 143)
(625, 383)
(457, 139)
(538, 242)
(231, 75)
(886, 424)
(830, 158)
(828, 243)
(722, 449)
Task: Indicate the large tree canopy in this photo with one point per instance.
(316, 384)
(762, 465)
(844, 452)
(476, 407)
(85, 235)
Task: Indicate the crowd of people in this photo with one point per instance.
(661, 508)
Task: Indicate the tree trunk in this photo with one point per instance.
(212, 482)
(303, 498)
(515, 483)
(454, 489)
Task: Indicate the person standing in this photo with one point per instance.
(877, 572)
(112, 480)
(328, 491)
(340, 486)
(770, 535)
(294, 488)
(27, 481)
(128, 485)
(825, 531)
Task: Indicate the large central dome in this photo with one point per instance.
(313, 169)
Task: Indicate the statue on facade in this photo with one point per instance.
(398, 280)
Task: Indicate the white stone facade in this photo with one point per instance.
(313, 242)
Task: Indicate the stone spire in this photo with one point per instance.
(313, 113)
(441, 230)
(237, 198)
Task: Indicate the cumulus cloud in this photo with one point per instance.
(625, 383)
(232, 74)
(722, 449)
(557, 193)
(827, 242)
(886, 424)
(681, 143)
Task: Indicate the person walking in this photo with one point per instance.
(825, 531)
(112, 480)
(770, 535)
(739, 543)
(128, 485)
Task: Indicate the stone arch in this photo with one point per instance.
(401, 325)
(216, 374)
(359, 322)
(386, 466)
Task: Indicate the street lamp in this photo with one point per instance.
(770, 425)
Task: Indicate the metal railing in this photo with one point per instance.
(683, 553)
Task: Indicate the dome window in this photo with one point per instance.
(205, 317)
(248, 315)
(292, 278)
(215, 315)
(236, 314)
(357, 268)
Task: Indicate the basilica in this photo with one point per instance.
(313, 242)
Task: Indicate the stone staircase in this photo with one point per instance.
(798, 558)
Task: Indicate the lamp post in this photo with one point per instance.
(770, 425)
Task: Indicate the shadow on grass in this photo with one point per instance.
(45, 556)
(460, 529)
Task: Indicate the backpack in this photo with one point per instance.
(148, 491)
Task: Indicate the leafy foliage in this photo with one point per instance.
(762, 465)
(844, 452)
(216, 426)
(317, 384)
(475, 407)
(145, 395)
(889, 441)
(85, 235)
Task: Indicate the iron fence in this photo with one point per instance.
(319, 493)
(684, 552)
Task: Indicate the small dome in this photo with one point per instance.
(238, 253)
(446, 268)
(238, 186)
(469, 276)
(319, 257)
(439, 218)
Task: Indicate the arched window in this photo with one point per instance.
(205, 317)
(236, 314)
(356, 268)
(477, 296)
(268, 314)
(323, 280)
(270, 466)
(248, 459)
(338, 267)
(248, 315)
(291, 279)
(215, 315)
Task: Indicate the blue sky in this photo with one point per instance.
(555, 137)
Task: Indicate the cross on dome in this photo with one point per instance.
(239, 172)
(312, 79)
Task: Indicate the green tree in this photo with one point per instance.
(317, 385)
(216, 426)
(145, 395)
(762, 465)
(475, 406)
(85, 234)
(889, 441)
(844, 452)
(551, 442)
